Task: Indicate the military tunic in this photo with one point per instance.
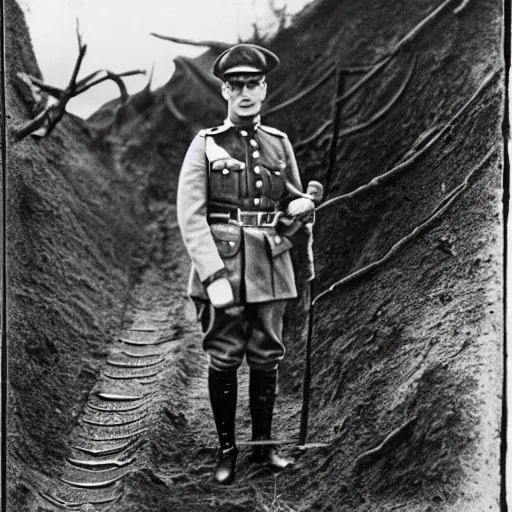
(251, 169)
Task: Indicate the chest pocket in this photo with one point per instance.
(273, 180)
(225, 176)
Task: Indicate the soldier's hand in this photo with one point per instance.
(301, 206)
(220, 293)
(316, 189)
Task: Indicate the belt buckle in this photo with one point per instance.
(258, 217)
(275, 219)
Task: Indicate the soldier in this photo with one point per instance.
(240, 206)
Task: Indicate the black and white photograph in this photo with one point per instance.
(254, 255)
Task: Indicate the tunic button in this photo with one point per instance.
(257, 169)
(256, 200)
(256, 154)
(225, 171)
(231, 243)
(259, 184)
(243, 133)
(277, 239)
(253, 143)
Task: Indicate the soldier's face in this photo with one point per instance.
(245, 95)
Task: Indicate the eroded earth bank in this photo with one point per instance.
(107, 404)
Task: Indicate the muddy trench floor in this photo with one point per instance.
(145, 439)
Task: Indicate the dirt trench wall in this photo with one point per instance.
(407, 359)
(73, 228)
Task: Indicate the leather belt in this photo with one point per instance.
(246, 218)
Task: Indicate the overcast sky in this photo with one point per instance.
(117, 36)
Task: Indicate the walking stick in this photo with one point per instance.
(304, 415)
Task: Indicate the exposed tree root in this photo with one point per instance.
(326, 76)
(436, 214)
(461, 7)
(369, 457)
(404, 164)
(372, 71)
(366, 124)
(398, 46)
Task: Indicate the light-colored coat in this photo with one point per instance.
(227, 168)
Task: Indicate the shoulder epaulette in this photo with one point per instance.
(273, 131)
(215, 130)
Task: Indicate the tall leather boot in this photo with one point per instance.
(262, 394)
(222, 386)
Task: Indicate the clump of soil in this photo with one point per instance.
(407, 353)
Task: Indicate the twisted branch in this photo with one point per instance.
(214, 45)
(435, 215)
(43, 124)
(53, 91)
(115, 77)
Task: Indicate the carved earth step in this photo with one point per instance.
(94, 479)
(117, 407)
(145, 342)
(137, 361)
(95, 464)
(98, 452)
(107, 448)
(115, 419)
(120, 392)
(150, 380)
(70, 498)
(118, 373)
(114, 433)
(141, 351)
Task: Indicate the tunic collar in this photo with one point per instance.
(254, 125)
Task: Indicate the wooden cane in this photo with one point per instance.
(336, 114)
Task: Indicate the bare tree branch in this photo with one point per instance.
(86, 79)
(53, 91)
(115, 77)
(43, 118)
(215, 45)
(52, 114)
